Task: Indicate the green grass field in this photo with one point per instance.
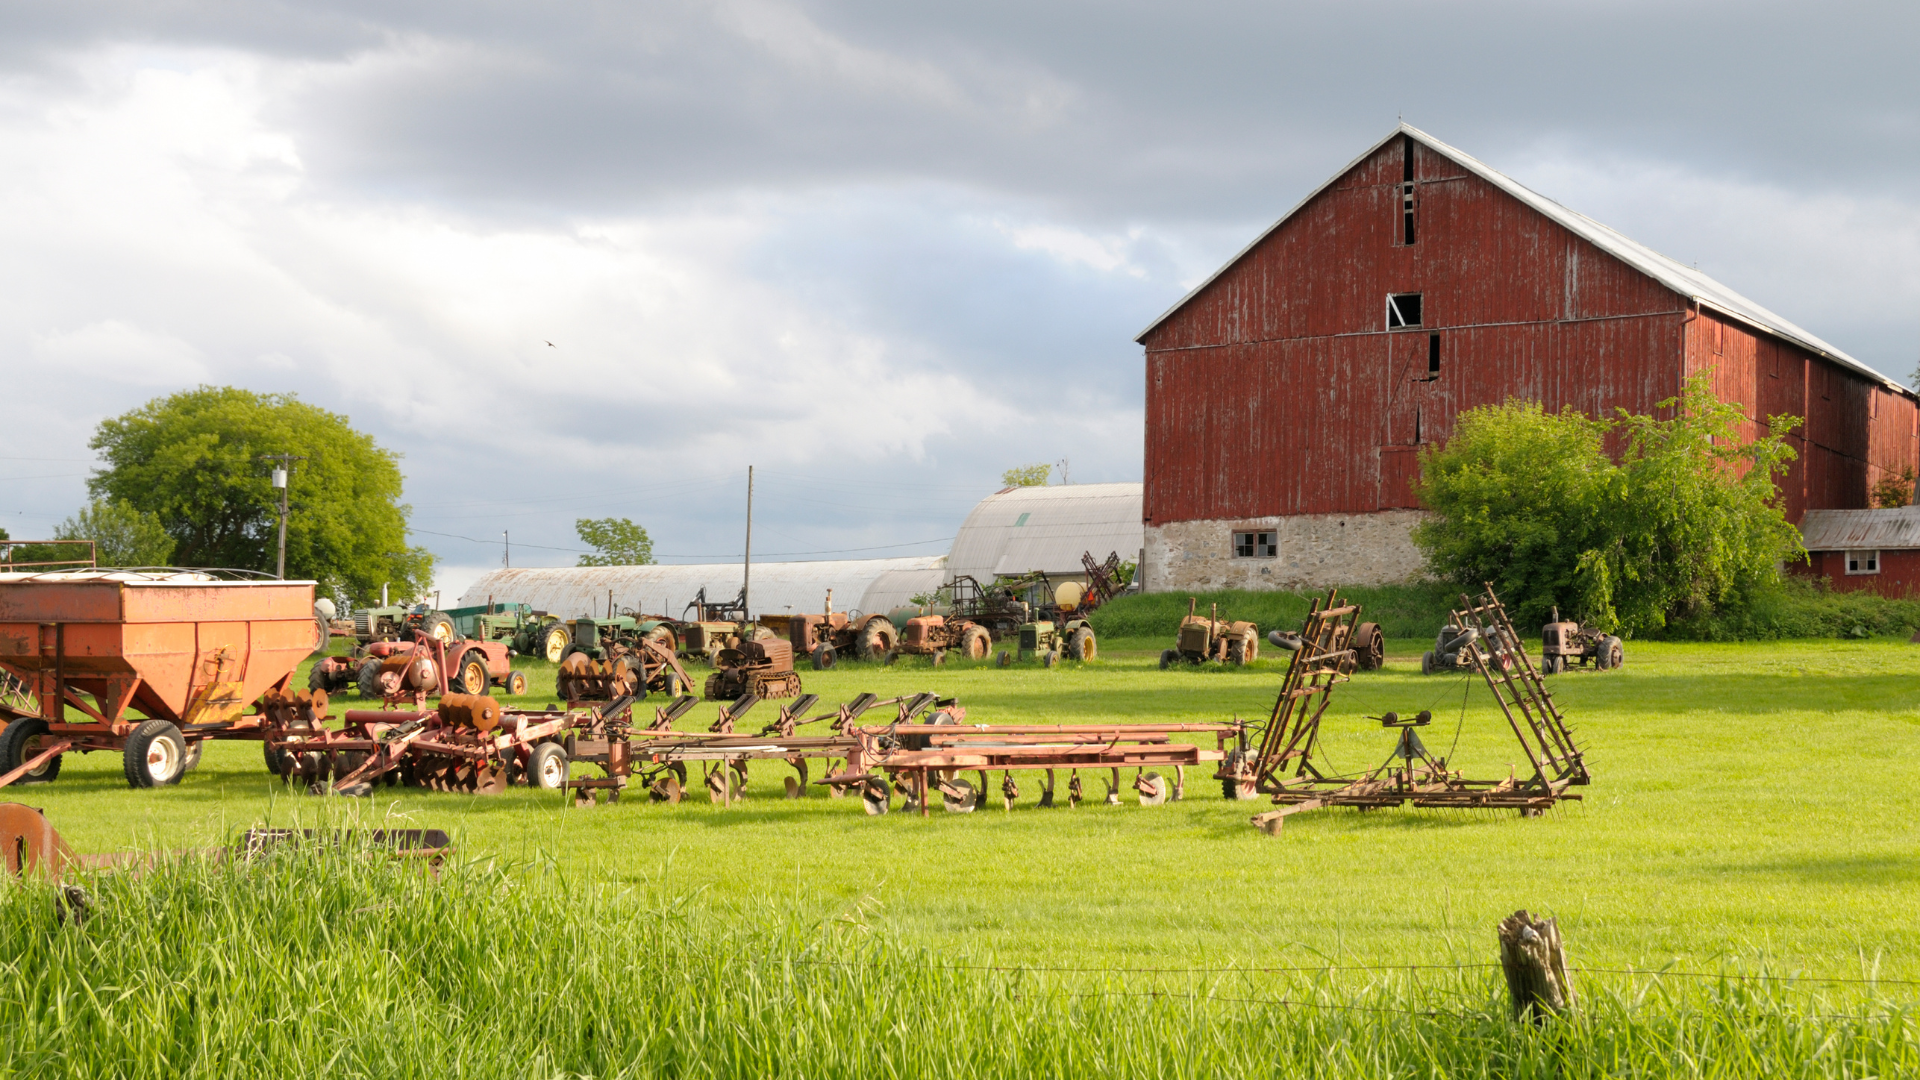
(1753, 806)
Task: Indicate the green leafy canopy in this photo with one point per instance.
(192, 461)
(122, 535)
(616, 542)
(1685, 522)
(1027, 476)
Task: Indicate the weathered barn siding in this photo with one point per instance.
(1899, 575)
(1279, 391)
(1276, 389)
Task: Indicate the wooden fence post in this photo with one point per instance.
(1535, 962)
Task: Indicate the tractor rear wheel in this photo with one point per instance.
(470, 673)
(317, 678)
(876, 640)
(1081, 645)
(438, 624)
(368, 679)
(976, 643)
(1369, 646)
(554, 641)
(1236, 652)
(1613, 652)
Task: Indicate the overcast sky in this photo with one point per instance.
(882, 251)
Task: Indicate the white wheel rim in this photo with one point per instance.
(551, 772)
(163, 759)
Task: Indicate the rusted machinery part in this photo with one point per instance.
(30, 845)
(959, 796)
(877, 639)
(876, 796)
(1369, 646)
(1152, 788)
(975, 643)
(477, 711)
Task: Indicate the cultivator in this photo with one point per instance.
(648, 667)
(1283, 765)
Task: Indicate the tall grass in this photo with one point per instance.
(334, 963)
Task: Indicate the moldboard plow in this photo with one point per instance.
(1284, 765)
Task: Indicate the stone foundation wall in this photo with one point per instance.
(1316, 551)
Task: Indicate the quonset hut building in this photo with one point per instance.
(1289, 395)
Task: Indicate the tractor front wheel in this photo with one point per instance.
(1167, 657)
(554, 641)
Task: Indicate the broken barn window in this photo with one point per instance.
(1863, 562)
(1255, 545)
(1403, 310)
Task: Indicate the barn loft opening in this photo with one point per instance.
(1433, 357)
(1406, 190)
(1403, 310)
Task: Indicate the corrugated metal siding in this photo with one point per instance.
(1276, 390)
(1839, 530)
(1062, 522)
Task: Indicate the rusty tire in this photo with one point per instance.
(1614, 651)
(824, 657)
(876, 639)
(976, 643)
(1369, 646)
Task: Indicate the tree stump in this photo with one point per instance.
(1535, 962)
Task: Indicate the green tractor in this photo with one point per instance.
(600, 638)
(1061, 628)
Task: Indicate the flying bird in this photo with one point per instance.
(551, 345)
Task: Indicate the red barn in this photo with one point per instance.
(1288, 395)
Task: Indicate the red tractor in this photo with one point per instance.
(419, 667)
(825, 638)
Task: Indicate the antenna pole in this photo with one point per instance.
(746, 573)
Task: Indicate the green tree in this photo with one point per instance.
(193, 460)
(617, 542)
(1685, 522)
(122, 535)
(1027, 476)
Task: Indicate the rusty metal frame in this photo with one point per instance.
(1410, 774)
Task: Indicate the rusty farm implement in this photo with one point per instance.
(1282, 758)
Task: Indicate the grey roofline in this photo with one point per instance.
(1688, 282)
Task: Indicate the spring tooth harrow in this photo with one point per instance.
(1283, 764)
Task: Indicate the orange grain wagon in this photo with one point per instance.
(145, 663)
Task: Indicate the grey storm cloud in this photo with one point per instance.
(883, 250)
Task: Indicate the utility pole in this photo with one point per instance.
(506, 555)
(746, 573)
(280, 478)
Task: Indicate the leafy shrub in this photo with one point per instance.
(1403, 611)
(1685, 524)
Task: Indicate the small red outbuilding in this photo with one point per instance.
(1872, 550)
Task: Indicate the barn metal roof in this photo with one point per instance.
(1841, 530)
(868, 585)
(1682, 279)
(1048, 528)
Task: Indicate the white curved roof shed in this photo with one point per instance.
(1022, 529)
(868, 585)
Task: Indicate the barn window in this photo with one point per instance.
(1403, 310)
(1255, 545)
(1021, 520)
(1433, 357)
(1863, 562)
